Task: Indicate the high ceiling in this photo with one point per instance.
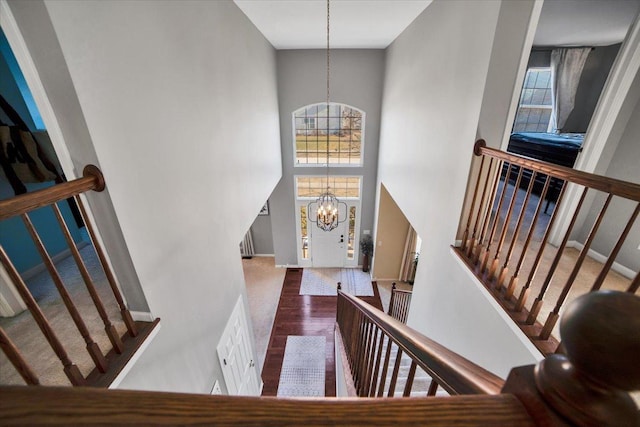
(584, 22)
(374, 24)
(302, 24)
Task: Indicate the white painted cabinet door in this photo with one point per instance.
(234, 352)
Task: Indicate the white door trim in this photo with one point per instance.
(615, 94)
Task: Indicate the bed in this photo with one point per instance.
(561, 149)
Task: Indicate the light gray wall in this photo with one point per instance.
(262, 235)
(179, 100)
(623, 165)
(433, 90)
(495, 123)
(356, 79)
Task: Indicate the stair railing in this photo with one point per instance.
(106, 363)
(399, 303)
(373, 339)
(504, 244)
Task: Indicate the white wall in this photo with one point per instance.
(434, 83)
(180, 101)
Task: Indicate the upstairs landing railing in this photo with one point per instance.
(107, 363)
(399, 303)
(588, 387)
(506, 234)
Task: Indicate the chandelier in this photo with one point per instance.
(327, 215)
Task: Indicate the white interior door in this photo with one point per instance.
(234, 351)
(328, 248)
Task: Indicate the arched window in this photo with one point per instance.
(340, 125)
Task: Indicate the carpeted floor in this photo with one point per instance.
(264, 284)
(25, 333)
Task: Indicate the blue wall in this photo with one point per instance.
(14, 237)
(14, 89)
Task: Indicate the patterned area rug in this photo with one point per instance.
(324, 281)
(303, 367)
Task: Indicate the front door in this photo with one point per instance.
(328, 248)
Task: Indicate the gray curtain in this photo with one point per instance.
(406, 269)
(566, 69)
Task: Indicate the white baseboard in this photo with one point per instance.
(287, 266)
(457, 243)
(142, 316)
(33, 271)
(617, 267)
(264, 255)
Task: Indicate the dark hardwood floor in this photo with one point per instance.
(303, 315)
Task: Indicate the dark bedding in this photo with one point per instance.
(561, 149)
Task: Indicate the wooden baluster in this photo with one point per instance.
(491, 200)
(376, 369)
(505, 267)
(496, 220)
(368, 342)
(70, 368)
(505, 226)
(405, 305)
(392, 300)
(371, 360)
(361, 349)
(537, 303)
(555, 314)
(16, 359)
(394, 374)
(92, 347)
(590, 385)
(433, 388)
(524, 292)
(357, 356)
(385, 368)
(513, 282)
(465, 234)
(409, 384)
(472, 242)
(124, 311)
(614, 252)
(111, 331)
(635, 284)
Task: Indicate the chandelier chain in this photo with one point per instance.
(328, 85)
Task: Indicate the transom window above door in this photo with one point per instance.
(343, 187)
(340, 126)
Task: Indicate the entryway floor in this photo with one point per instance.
(303, 315)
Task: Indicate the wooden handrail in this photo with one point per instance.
(90, 406)
(614, 186)
(92, 179)
(453, 372)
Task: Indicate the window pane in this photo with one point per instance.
(534, 111)
(303, 232)
(352, 233)
(339, 126)
(342, 187)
